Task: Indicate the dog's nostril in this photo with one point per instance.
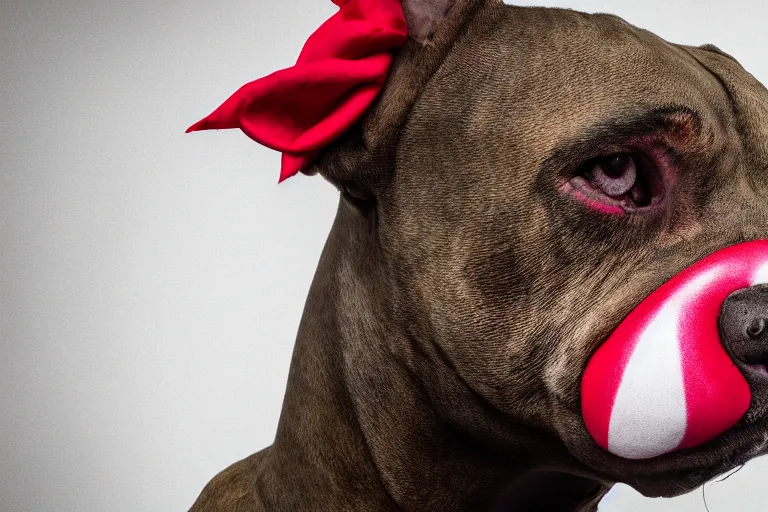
(756, 328)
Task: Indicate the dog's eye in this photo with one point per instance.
(615, 175)
(617, 183)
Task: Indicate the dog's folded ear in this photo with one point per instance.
(363, 154)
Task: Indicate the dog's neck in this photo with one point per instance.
(373, 436)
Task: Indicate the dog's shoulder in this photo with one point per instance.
(235, 489)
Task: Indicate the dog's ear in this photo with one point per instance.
(423, 16)
(371, 52)
(363, 156)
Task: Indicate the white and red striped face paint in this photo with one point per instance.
(662, 381)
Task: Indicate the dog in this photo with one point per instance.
(526, 178)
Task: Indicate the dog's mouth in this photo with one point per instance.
(681, 472)
(678, 472)
(676, 394)
(684, 470)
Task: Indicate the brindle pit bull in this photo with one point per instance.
(462, 289)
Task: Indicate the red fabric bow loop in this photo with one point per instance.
(340, 72)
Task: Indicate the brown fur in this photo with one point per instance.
(459, 296)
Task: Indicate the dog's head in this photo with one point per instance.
(554, 171)
(528, 179)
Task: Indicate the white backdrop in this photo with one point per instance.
(152, 283)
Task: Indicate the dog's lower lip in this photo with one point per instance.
(702, 475)
(669, 484)
(682, 471)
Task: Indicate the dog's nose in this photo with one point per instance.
(743, 327)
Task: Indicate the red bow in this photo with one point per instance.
(340, 72)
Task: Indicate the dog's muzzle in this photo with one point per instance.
(664, 379)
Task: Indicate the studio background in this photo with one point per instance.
(152, 282)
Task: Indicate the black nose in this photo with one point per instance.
(744, 327)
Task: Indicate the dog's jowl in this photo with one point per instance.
(547, 272)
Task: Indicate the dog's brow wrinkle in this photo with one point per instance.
(723, 85)
(680, 122)
(663, 118)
